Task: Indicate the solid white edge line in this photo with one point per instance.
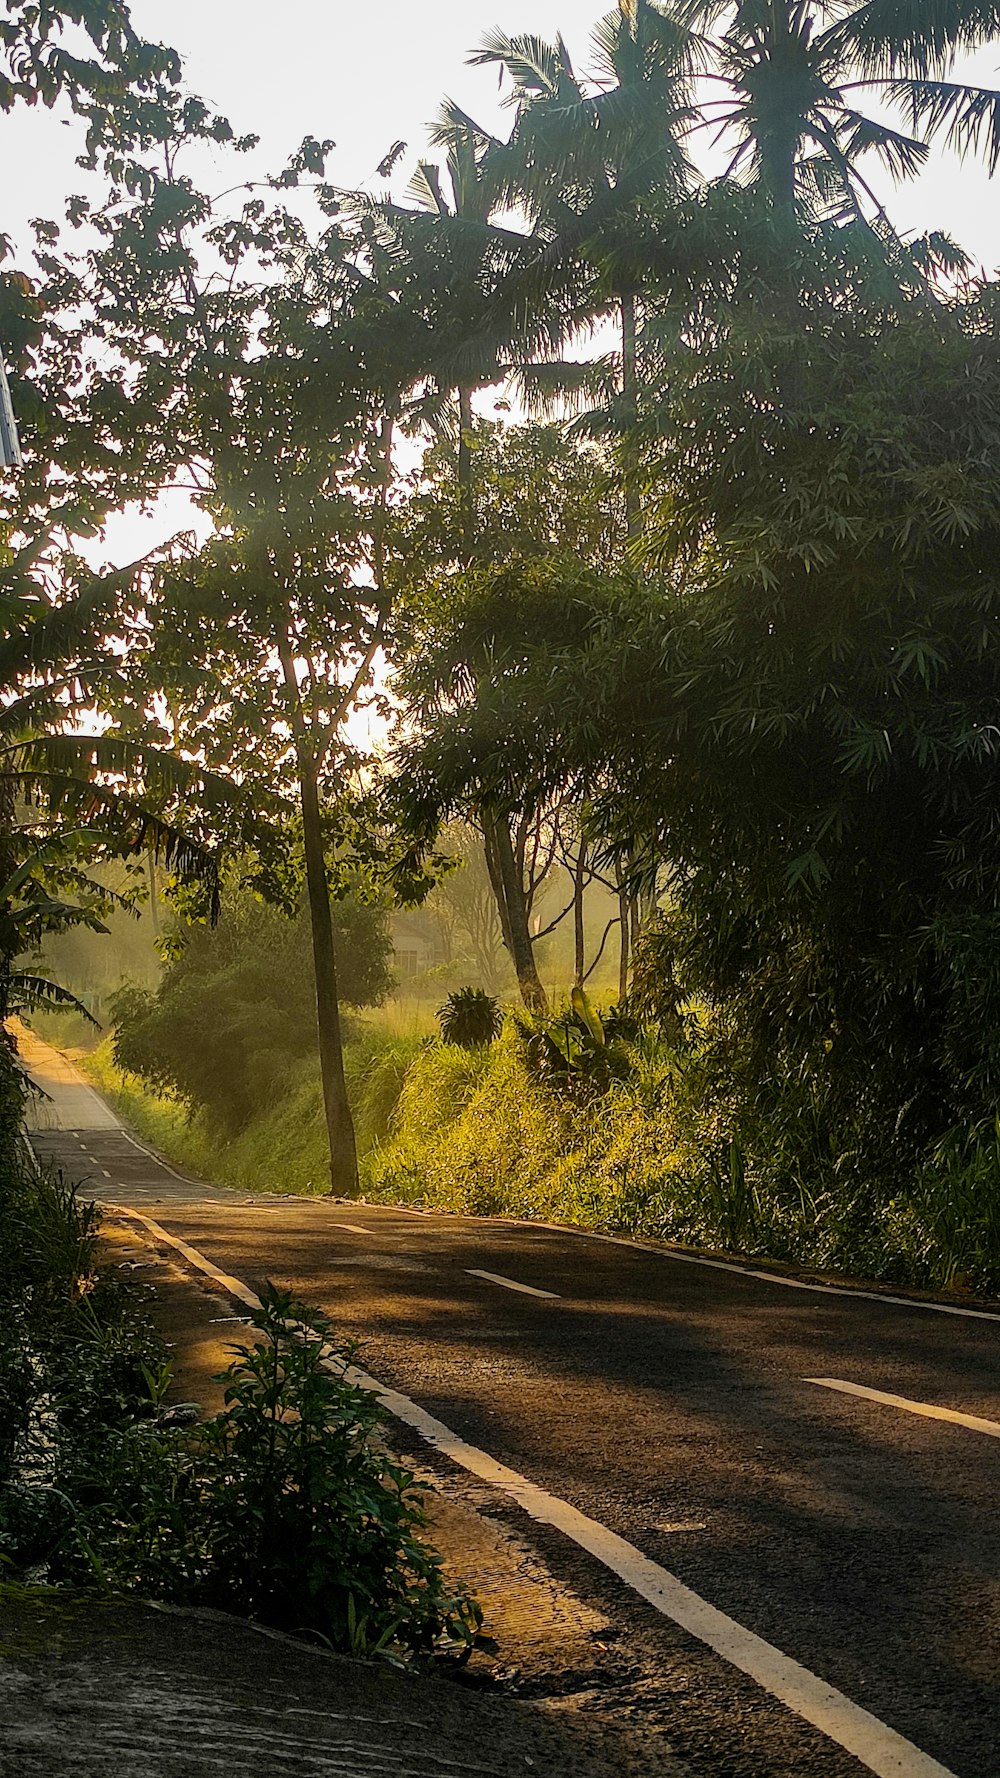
(148, 1152)
(713, 1265)
(510, 1283)
(925, 1409)
(880, 1749)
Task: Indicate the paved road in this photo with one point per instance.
(676, 1403)
(72, 1127)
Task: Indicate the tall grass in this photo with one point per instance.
(668, 1152)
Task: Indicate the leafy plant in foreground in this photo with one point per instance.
(281, 1508)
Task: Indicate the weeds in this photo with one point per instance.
(674, 1138)
(281, 1508)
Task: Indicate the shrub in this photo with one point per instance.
(235, 1011)
(281, 1508)
(470, 1017)
(577, 1051)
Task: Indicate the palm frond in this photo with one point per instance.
(425, 190)
(532, 65)
(903, 156)
(967, 116)
(27, 992)
(452, 120)
(883, 36)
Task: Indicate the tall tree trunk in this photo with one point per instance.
(8, 865)
(339, 1122)
(154, 894)
(624, 912)
(579, 935)
(630, 394)
(466, 491)
(508, 887)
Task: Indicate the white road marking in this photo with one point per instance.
(104, 1170)
(876, 1746)
(925, 1408)
(351, 1227)
(724, 1265)
(148, 1152)
(510, 1283)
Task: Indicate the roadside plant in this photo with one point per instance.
(470, 1017)
(577, 1051)
(281, 1508)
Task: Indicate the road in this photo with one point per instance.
(818, 1469)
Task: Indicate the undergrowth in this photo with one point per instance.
(668, 1150)
(282, 1508)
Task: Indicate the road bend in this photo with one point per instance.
(820, 1467)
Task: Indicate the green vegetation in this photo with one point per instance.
(470, 1017)
(697, 662)
(282, 1508)
(231, 1018)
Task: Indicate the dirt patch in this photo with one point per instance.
(131, 1691)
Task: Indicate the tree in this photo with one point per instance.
(795, 76)
(231, 1017)
(86, 50)
(582, 158)
(260, 641)
(254, 362)
(538, 497)
(798, 715)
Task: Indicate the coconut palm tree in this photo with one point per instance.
(788, 85)
(584, 154)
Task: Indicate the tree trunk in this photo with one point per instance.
(339, 1122)
(154, 894)
(8, 864)
(508, 887)
(579, 935)
(624, 912)
(466, 492)
(630, 394)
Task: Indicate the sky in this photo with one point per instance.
(369, 74)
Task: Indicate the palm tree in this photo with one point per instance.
(473, 354)
(584, 154)
(788, 83)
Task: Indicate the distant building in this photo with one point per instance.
(417, 945)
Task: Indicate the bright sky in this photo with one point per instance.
(369, 74)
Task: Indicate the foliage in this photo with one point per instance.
(36, 61)
(578, 1051)
(234, 1013)
(76, 1348)
(470, 1017)
(671, 1152)
(281, 1508)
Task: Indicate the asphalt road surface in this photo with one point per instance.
(821, 1467)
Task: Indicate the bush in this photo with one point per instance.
(470, 1017)
(235, 1011)
(280, 1509)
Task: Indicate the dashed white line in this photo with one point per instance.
(925, 1409)
(104, 1170)
(510, 1283)
(351, 1227)
(876, 1746)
